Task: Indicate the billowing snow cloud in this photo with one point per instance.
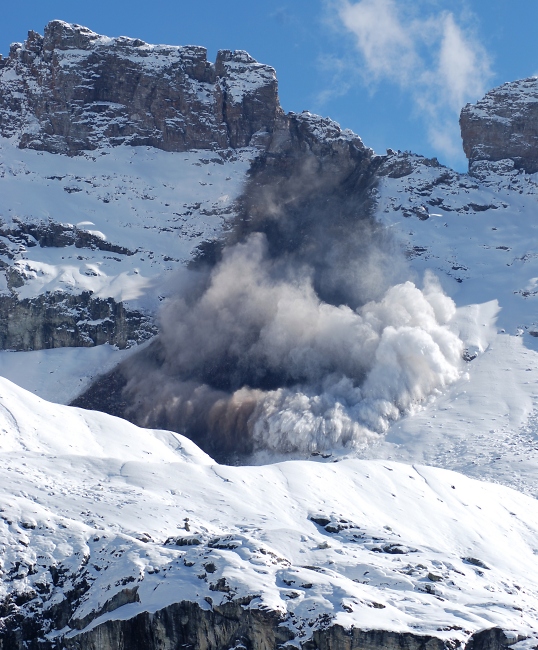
(303, 330)
(257, 361)
(432, 56)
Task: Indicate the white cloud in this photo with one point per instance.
(439, 62)
(385, 44)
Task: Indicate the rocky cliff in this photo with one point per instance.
(234, 627)
(59, 319)
(72, 90)
(231, 626)
(504, 124)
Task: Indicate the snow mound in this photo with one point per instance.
(29, 424)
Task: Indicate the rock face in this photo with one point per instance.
(73, 90)
(57, 320)
(186, 625)
(504, 124)
(232, 625)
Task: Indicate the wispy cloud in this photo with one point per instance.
(427, 53)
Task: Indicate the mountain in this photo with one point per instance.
(349, 334)
(126, 92)
(73, 90)
(134, 213)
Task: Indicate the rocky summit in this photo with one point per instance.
(504, 124)
(72, 90)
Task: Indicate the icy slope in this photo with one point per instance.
(93, 507)
(61, 374)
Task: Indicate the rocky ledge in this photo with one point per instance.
(504, 124)
(233, 625)
(59, 319)
(73, 90)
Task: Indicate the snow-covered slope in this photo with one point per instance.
(61, 374)
(144, 210)
(478, 234)
(156, 206)
(93, 507)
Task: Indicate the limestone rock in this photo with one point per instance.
(504, 125)
(73, 90)
(58, 319)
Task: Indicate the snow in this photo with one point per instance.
(327, 130)
(157, 205)
(408, 548)
(61, 374)
(244, 76)
(503, 103)
(484, 425)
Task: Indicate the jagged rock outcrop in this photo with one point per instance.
(51, 235)
(232, 625)
(58, 319)
(504, 124)
(73, 90)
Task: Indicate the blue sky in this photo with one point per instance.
(394, 71)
